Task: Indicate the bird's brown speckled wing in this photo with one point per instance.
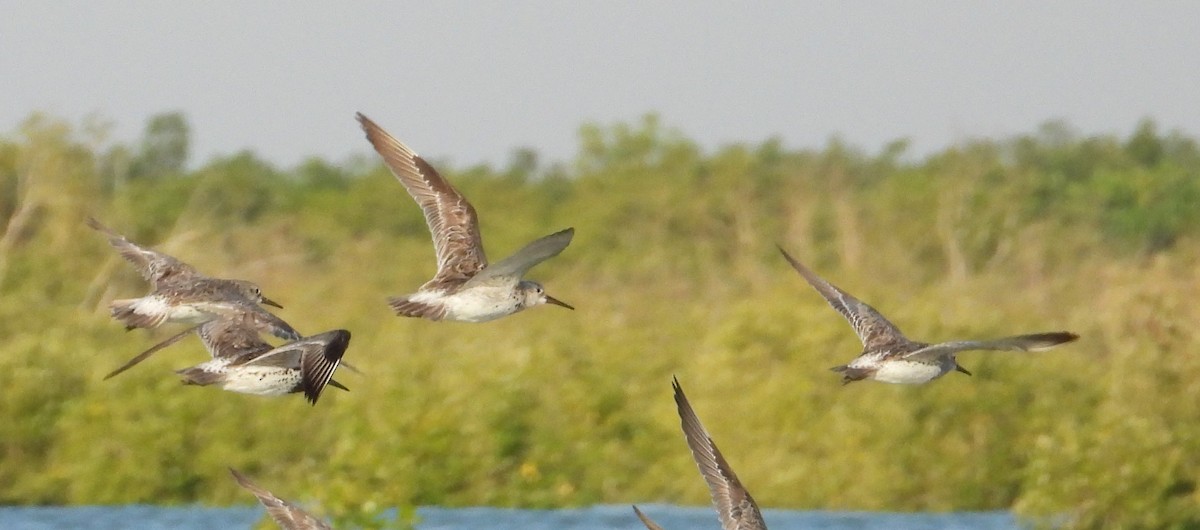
(1033, 342)
(219, 298)
(875, 332)
(451, 219)
(735, 507)
(233, 337)
(157, 268)
(287, 515)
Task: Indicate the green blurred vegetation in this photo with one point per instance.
(675, 272)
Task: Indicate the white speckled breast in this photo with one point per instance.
(263, 381)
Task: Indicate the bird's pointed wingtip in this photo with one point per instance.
(239, 477)
(791, 260)
(367, 124)
(312, 393)
(676, 387)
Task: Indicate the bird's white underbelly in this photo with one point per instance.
(176, 313)
(188, 315)
(909, 373)
(479, 304)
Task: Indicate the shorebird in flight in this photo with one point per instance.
(736, 509)
(287, 515)
(182, 295)
(243, 362)
(465, 287)
(888, 356)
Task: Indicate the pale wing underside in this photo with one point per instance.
(513, 268)
(287, 515)
(1034, 342)
(735, 507)
(650, 524)
(875, 332)
(157, 268)
(451, 219)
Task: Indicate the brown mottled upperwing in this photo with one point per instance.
(451, 218)
(875, 332)
(735, 507)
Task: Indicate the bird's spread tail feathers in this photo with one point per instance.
(131, 312)
(407, 307)
(198, 376)
(850, 375)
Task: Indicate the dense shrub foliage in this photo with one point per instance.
(675, 272)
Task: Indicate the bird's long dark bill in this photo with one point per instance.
(271, 302)
(557, 302)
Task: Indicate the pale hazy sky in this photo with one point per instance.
(471, 81)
